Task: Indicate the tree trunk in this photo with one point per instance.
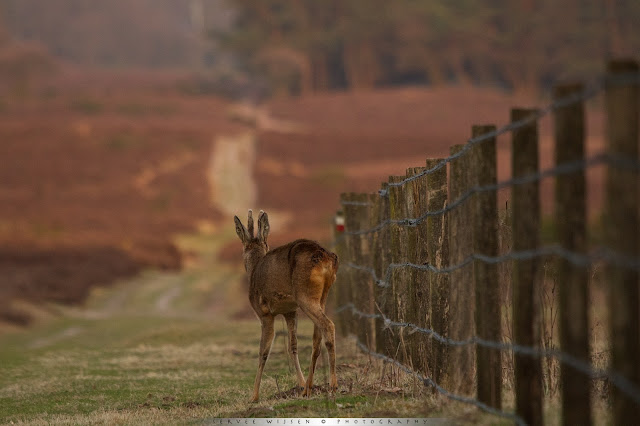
(320, 72)
(361, 65)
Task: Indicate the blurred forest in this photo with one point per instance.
(306, 45)
(119, 33)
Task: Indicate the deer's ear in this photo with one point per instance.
(263, 226)
(250, 223)
(240, 230)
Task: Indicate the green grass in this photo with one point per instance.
(143, 352)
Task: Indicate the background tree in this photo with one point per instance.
(359, 44)
(302, 46)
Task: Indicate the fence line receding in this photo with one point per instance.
(440, 282)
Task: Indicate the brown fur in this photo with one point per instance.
(298, 274)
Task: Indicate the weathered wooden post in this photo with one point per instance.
(485, 241)
(438, 257)
(371, 258)
(415, 199)
(525, 274)
(462, 299)
(399, 282)
(421, 287)
(352, 222)
(621, 233)
(382, 291)
(571, 223)
(339, 298)
(344, 289)
(362, 288)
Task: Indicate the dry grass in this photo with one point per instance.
(549, 328)
(121, 359)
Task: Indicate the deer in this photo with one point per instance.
(295, 275)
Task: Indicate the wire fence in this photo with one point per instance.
(586, 368)
(562, 169)
(430, 383)
(382, 239)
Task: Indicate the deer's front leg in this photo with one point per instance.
(265, 348)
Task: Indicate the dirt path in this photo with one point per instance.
(231, 176)
(163, 303)
(50, 340)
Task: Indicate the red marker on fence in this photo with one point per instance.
(339, 221)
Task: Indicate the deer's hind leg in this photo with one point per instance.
(265, 348)
(292, 324)
(312, 302)
(324, 328)
(315, 352)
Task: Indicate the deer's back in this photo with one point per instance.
(302, 268)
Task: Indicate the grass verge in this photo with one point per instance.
(167, 348)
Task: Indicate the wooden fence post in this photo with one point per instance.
(344, 290)
(571, 222)
(354, 210)
(339, 298)
(362, 288)
(421, 288)
(438, 256)
(383, 295)
(399, 282)
(485, 241)
(621, 100)
(415, 199)
(525, 274)
(462, 299)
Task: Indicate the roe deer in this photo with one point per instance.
(298, 274)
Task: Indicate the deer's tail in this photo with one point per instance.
(321, 255)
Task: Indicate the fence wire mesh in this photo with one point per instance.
(583, 260)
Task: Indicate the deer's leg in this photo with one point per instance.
(328, 330)
(315, 352)
(292, 326)
(265, 348)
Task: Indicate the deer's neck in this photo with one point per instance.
(251, 260)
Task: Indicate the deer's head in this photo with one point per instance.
(253, 246)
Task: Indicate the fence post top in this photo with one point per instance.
(565, 88)
(622, 65)
(521, 113)
(484, 128)
(454, 149)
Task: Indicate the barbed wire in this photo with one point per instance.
(590, 91)
(559, 170)
(587, 93)
(577, 259)
(618, 380)
(430, 383)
